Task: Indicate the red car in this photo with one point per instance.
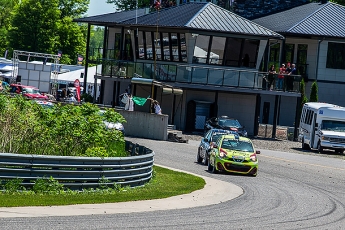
(28, 91)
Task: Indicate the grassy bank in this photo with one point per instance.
(165, 183)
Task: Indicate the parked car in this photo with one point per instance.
(233, 153)
(45, 104)
(113, 125)
(226, 123)
(206, 144)
(27, 91)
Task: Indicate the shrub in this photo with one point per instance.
(314, 92)
(13, 186)
(65, 130)
(47, 185)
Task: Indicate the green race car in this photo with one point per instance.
(235, 154)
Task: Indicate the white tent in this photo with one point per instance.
(71, 76)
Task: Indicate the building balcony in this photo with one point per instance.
(198, 74)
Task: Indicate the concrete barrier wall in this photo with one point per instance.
(145, 125)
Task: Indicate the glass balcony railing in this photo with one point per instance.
(204, 75)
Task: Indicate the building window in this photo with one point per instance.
(250, 53)
(149, 45)
(274, 55)
(166, 46)
(217, 50)
(289, 53)
(141, 47)
(336, 56)
(174, 47)
(157, 46)
(201, 49)
(182, 42)
(233, 52)
(302, 54)
(117, 46)
(128, 52)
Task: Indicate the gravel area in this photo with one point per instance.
(277, 145)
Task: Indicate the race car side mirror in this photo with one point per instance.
(257, 152)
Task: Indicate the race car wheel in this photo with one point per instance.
(206, 159)
(339, 151)
(319, 147)
(198, 158)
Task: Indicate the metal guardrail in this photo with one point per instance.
(77, 173)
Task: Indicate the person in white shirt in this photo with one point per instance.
(130, 104)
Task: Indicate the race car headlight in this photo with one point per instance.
(222, 153)
(253, 157)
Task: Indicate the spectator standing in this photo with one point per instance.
(287, 77)
(289, 84)
(156, 106)
(130, 104)
(124, 98)
(280, 81)
(270, 77)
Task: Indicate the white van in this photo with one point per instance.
(322, 126)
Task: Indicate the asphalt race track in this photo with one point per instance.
(291, 191)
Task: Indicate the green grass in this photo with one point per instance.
(165, 183)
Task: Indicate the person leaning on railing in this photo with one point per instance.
(270, 77)
(280, 81)
(290, 79)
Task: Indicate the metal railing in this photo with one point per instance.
(196, 74)
(77, 173)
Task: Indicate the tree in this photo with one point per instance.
(73, 8)
(340, 2)
(47, 26)
(314, 92)
(71, 40)
(122, 5)
(304, 99)
(34, 26)
(6, 7)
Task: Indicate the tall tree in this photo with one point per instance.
(73, 8)
(340, 2)
(34, 26)
(314, 92)
(6, 7)
(46, 26)
(122, 5)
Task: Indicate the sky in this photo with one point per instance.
(97, 7)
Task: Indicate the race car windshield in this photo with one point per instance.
(237, 145)
(338, 126)
(229, 123)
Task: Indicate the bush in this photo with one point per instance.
(64, 130)
(314, 93)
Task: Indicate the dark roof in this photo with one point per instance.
(310, 19)
(192, 15)
(116, 17)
